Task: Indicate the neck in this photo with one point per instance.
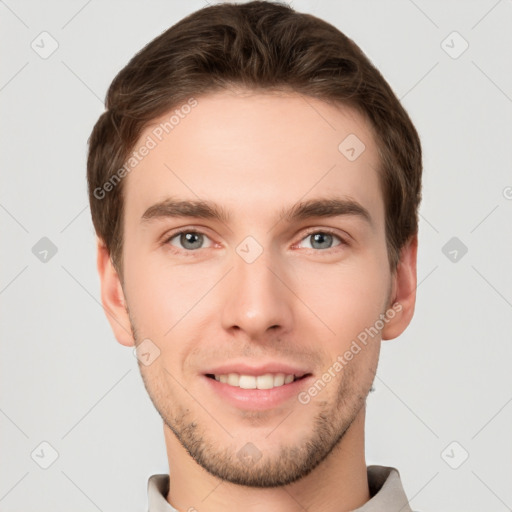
(339, 483)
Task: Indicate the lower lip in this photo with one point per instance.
(257, 399)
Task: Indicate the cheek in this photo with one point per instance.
(165, 299)
(347, 297)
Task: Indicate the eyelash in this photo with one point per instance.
(192, 253)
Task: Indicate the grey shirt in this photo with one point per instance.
(386, 491)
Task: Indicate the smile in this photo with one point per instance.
(265, 381)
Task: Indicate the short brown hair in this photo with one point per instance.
(261, 46)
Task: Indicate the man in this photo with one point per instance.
(254, 185)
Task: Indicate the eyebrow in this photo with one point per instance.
(204, 209)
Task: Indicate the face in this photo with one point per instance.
(277, 272)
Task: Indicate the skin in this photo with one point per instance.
(300, 301)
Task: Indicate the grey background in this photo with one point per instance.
(67, 382)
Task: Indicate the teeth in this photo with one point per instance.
(266, 381)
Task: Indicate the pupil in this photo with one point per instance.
(322, 237)
(189, 239)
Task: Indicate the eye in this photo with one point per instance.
(188, 240)
(323, 239)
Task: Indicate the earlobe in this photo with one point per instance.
(403, 299)
(112, 297)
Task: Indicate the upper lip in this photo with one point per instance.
(248, 369)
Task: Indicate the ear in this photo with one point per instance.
(403, 297)
(112, 297)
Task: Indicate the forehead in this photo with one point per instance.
(251, 150)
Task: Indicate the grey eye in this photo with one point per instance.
(188, 240)
(321, 240)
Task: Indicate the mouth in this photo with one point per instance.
(263, 381)
(264, 390)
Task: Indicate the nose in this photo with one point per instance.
(258, 297)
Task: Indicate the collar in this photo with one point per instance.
(386, 491)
